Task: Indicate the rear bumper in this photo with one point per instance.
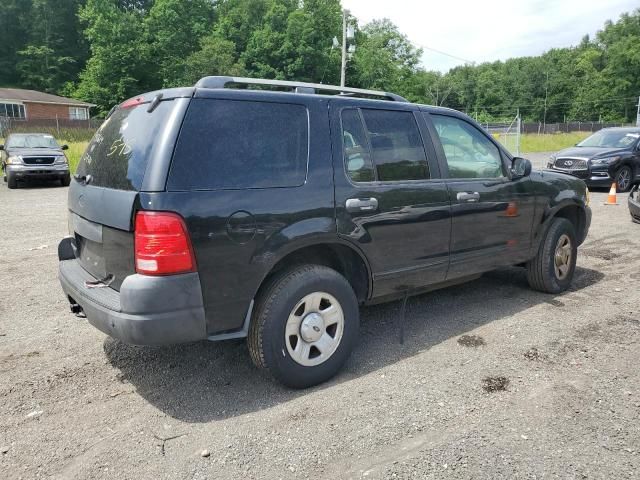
(146, 311)
(634, 206)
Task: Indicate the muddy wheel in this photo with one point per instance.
(304, 326)
(552, 269)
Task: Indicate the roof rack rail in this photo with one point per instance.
(297, 87)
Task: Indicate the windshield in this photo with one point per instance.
(32, 141)
(610, 139)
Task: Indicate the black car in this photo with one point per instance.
(28, 156)
(216, 213)
(609, 155)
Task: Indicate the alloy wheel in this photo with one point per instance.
(624, 179)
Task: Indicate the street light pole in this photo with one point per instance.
(343, 70)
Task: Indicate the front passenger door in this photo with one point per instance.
(492, 214)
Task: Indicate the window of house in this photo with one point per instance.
(78, 113)
(12, 110)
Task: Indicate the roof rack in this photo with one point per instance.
(297, 87)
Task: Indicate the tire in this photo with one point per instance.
(287, 304)
(624, 179)
(65, 181)
(11, 181)
(544, 272)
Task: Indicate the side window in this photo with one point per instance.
(357, 158)
(469, 153)
(397, 150)
(230, 144)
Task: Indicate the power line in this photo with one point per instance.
(446, 54)
(576, 102)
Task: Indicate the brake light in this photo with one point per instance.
(162, 244)
(132, 102)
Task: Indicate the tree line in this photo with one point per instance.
(104, 51)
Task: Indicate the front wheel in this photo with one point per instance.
(12, 182)
(65, 181)
(305, 325)
(552, 269)
(623, 179)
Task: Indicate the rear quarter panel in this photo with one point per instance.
(239, 235)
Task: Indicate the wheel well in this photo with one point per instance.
(338, 257)
(576, 216)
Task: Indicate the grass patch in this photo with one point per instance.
(76, 149)
(550, 142)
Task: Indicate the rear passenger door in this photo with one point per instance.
(491, 213)
(390, 201)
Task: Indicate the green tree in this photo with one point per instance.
(174, 30)
(216, 56)
(384, 58)
(13, 32)
(118, 67)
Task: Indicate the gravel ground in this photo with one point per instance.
(493, 381)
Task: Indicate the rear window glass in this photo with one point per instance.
(230, 144)
(118, 154)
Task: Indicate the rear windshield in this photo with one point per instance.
(233, 144)
(118, 154)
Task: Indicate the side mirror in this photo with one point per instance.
(64, 147)
(520, 167)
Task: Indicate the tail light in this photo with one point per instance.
(162, 244)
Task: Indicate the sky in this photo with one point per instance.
(485, 31)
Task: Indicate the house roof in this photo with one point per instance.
(33, 96)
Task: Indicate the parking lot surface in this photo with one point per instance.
(493, 380)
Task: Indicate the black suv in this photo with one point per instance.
(28, 156)
(609, 155)
(218, 213)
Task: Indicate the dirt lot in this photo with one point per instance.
(493, 380)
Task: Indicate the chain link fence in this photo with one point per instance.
(507, 133)
(71, 130)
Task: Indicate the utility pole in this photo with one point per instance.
(343, 70)
(638, 114)
(546, 96)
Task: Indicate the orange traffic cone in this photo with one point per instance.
(611, 199)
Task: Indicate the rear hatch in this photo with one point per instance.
(129, 154)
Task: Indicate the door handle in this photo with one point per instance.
(362, 204)
(468, 196)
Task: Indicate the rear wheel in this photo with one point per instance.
(11, 181)
(623, 179)
(305, 325)
(552, 269)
